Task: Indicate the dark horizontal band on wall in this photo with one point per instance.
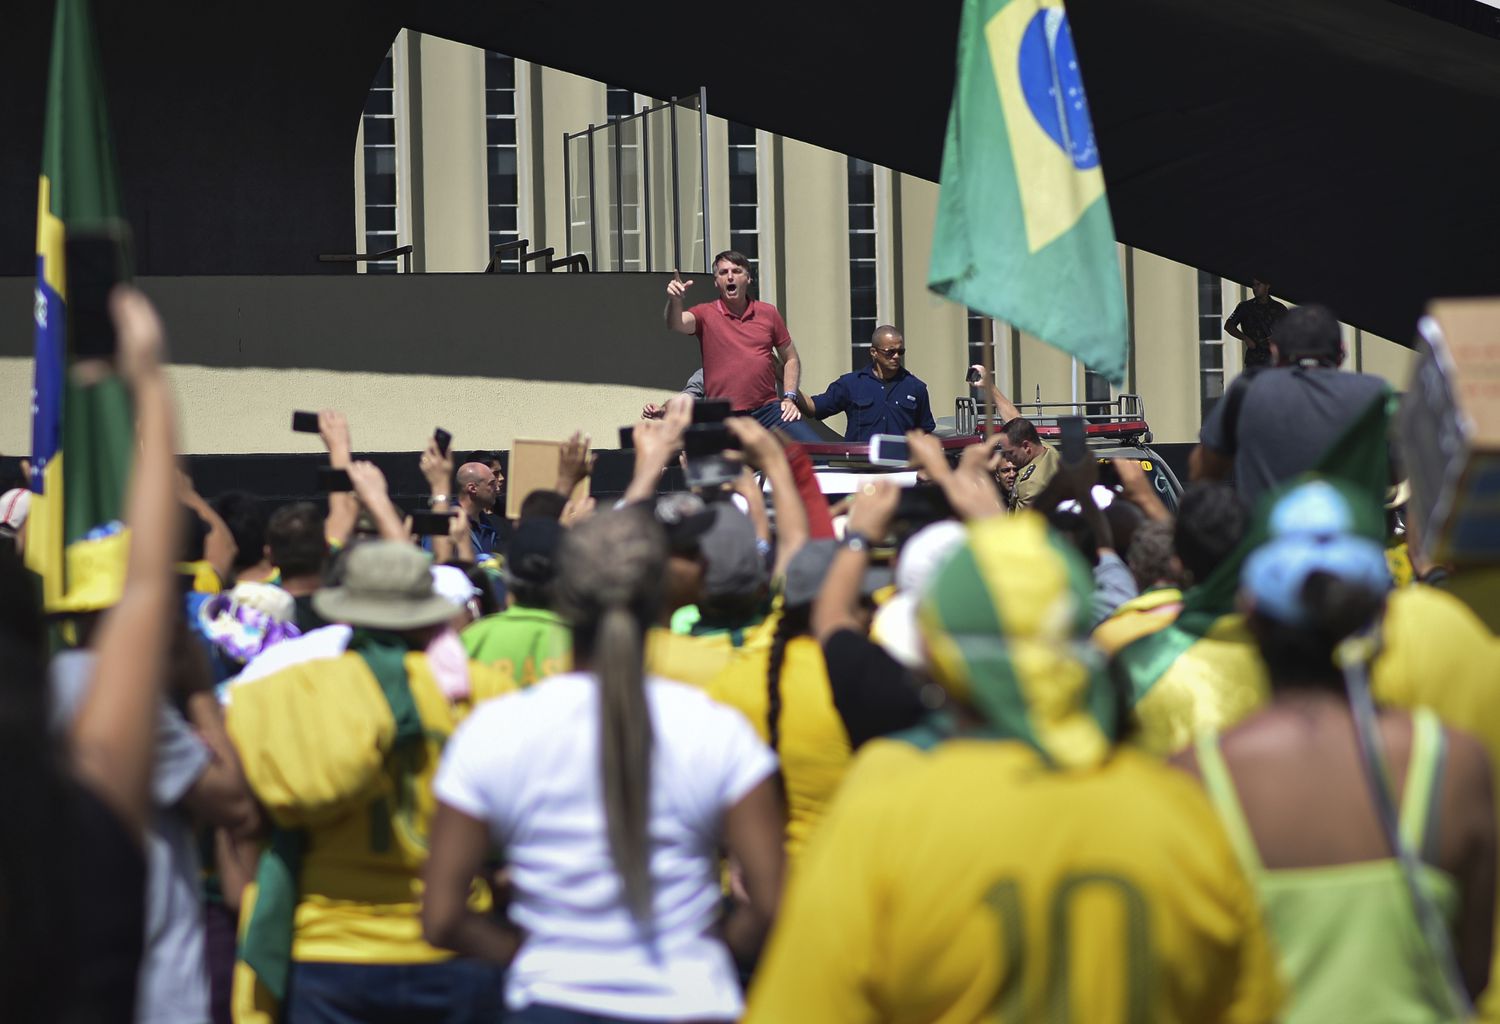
(584, 328)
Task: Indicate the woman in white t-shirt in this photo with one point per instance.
(609, 794)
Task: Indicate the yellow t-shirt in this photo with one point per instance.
(1216, 682)
(696, 659)
(316, 740)
(972, 883)
(813, 746)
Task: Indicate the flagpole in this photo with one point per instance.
(1075, 380)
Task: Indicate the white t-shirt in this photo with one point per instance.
(528, 765)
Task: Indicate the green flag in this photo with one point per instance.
(1023, 228)
(81, 418)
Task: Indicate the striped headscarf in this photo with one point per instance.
(1005, 621)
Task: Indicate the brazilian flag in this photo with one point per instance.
(1206, 662)
(82, 426)
(1023, 227)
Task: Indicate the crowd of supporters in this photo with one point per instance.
(932, 755)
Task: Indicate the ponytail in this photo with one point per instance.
(625, 754)
(609, 587)
(784, 632)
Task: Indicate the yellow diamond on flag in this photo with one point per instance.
(1046, 116)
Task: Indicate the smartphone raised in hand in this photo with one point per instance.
(627, 438)
(973, 376)
(96, 261)
(890, 450)
(305, 422)
(443, 439)
(708, 439)
(427, 523)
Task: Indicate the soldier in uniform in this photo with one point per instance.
(1036, 462)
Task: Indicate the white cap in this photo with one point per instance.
(451, 582)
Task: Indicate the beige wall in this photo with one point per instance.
(455, 225)
(815, 292)
(224, 411)
(1166, 358)
(936, 329)
(569, 104)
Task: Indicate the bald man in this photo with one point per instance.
(478, 494)
(882, 398)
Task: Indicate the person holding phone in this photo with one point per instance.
(1036, 462)
(737, 336)
(882, 398)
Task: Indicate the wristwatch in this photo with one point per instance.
(856, 541)
(789, 394)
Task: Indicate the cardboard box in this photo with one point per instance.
(533, 467)
(1450, 432)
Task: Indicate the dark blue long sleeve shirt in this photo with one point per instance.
(872, 408)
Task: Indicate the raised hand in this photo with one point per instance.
(677, 287)
(575, 462)
(333, 428)
(874, 507)
(437, 468)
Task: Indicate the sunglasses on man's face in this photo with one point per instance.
(892, 353)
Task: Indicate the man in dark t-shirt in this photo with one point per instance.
(1253, 321)
(1277, 422)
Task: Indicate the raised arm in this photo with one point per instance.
(437, 470)
(969, 489)
(657, 441)
(219, 548)
(574, 463)
(1004, 406)
(765, 453)
(370, 487)
(114, 733)
(838, 601)
(343, 507)
(677, 318)
(1139, 491)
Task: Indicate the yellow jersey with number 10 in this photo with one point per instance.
(974, 883)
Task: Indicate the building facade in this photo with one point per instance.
(459, 150)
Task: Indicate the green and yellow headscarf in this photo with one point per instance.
(1004, 621)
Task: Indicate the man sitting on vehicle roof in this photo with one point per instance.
(882, 398)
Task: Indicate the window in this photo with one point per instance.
(1210, 340)
(1096, 393)
(379, 123)
(744, 196)
(502, 163)
(624, 145)
(862, 260)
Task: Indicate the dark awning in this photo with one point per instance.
(1345, 149)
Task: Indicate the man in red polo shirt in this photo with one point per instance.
(736, 335)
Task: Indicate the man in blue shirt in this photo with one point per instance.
(882, 398)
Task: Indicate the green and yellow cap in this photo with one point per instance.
(1005, 621)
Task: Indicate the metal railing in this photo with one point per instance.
(628, 182)
(403, 251)
(576, 263)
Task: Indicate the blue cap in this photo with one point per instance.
(1275, 574)
(1316, 508)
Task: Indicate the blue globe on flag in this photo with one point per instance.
(1048, 70)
